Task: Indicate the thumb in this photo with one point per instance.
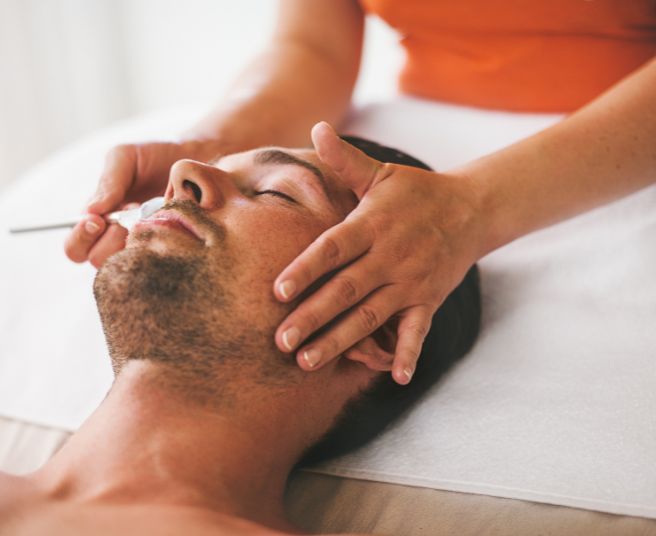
(354, 168)
(117, 178)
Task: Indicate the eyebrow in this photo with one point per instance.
(282, 158)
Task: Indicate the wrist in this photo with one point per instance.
(488, 218)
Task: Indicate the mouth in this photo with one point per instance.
(173, 220)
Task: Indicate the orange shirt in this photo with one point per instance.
(528, 55)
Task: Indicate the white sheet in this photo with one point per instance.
(556, 403)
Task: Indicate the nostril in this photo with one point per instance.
(195, 189)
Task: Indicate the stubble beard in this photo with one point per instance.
(181, 312)
(169, 310)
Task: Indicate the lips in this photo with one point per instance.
(174, 220)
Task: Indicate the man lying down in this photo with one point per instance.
(206, 418)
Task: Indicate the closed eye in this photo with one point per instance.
(277, 194)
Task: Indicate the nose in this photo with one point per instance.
(194, 181)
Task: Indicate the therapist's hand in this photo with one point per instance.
(133, 173)
(405, 247)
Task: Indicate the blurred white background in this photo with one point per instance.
(69, 67)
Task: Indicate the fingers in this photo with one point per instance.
(339, 294)
(356, 170)
(93, 240)
(359, 322)
(412, 330)
(111, 242)
(334, 248)
(371, 355)
(117, 178)
(83, 237)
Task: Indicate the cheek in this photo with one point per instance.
(259, 247)
(267, 241)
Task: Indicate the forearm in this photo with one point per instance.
(307, 74)
(277, 100)
(602, 152)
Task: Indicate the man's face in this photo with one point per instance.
(193, 288)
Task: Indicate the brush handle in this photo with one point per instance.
(125, 218)
(63, 225)
(112, 217)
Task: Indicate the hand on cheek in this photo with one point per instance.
(400, 252)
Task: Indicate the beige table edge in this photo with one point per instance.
(322, 503)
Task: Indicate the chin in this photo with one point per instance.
(145, 275)
(182, 310)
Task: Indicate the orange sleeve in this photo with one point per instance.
(542, 56)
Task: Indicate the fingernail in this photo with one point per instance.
(287, 289)
(408, 372)
(291, 337)
(312, 357)
(91, 227)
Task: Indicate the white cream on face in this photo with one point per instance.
(128, 218)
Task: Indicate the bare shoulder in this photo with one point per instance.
(12, 489)
(14, 493)
(23, 513)
(70, 519)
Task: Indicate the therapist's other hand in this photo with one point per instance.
(404, 248)
(133, 173)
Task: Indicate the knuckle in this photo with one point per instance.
(411, 355)
(418, 329)
(347, 290)
(379, 227)
(364, 225)
(303, 272)
(118, 151)
(312, 321)
(369, 317)
(73, 253)
(140, 154)
(331, 251)
(333, 346)
(97, 258)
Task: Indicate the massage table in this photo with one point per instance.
(325, 503)
(47, 386)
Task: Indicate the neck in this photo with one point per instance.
(145, 444)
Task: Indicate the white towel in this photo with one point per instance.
(556, 402)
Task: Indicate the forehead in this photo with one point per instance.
(262, 157)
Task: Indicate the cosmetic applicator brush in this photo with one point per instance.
(125, 218)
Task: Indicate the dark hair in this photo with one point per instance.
(454, 329)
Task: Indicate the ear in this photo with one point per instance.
(376, 351)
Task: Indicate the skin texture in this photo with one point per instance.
(206, 416)
(600, 153)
